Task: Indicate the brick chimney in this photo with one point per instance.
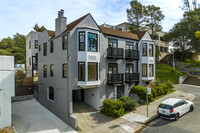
(61, 23)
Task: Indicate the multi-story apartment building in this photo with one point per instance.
(7, 89)
(161, 45)
(31, 53)
(90, 63)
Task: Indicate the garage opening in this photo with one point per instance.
(85, 99)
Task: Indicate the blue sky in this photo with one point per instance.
(19, 16)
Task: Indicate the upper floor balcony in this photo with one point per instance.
(132, 54)
(131, 77)
(117, 78)
(115, 53)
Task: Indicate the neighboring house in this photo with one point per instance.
(158, 39)
(19, 67)
(90, 63)
(31, 53)
(6, 89)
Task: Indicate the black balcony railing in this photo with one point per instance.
(131, 77)
(115, 53)
(115, 78)
(132, 54)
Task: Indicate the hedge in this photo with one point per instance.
(158, 88)
(113, 108)
(119, 107)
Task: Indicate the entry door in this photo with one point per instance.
(120, 91)
(129, 68)
(112, 68)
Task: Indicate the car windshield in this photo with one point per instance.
(165, 106)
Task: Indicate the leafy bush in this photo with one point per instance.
(19, 77)
(158, 88)
(129, 104)
(113, 108)
(140, 91)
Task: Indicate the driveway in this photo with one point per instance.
(31, 117)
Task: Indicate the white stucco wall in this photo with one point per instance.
(6, 89)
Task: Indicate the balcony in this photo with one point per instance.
(115, 78)
(131, 77)
(132, 54)
(115, 53)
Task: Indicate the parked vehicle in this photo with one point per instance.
(173, 108)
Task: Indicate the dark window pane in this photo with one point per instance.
(92, 42)
(64, 42)
(45, 49)
(51, 93)
(165, 106)
(64, 70)
(81, 75)
(144, 49)
(36, 44)
(82, 41)
(45, 71)
(51, 47)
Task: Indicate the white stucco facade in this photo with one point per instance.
(6, 89)
(31, 52)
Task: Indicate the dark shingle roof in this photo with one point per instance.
(118, 33)
(51, 33)
(74, 23)
(141, 34)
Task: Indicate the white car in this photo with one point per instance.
(173, 108)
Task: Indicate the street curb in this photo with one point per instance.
(146, 123)
(151, 119)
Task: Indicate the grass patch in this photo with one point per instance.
(165, 72)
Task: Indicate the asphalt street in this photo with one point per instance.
(188, 123)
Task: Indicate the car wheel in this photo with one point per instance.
(177, 117)
(191, 108)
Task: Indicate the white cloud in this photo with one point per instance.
(21, 15)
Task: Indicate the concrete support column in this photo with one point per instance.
(115, 92)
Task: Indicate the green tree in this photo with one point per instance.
(7, 43)
(15, 47)
(135, 16)
(189, 5)
(39, 29)
(178, 34)
(20, 40)
(153, 17)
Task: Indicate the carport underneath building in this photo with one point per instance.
(86, 96)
